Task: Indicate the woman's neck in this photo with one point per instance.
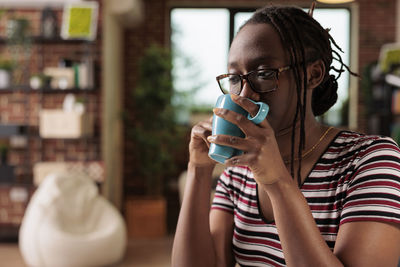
(313, 131)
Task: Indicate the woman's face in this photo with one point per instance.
(259, 46)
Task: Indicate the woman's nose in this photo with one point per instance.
(248, 92)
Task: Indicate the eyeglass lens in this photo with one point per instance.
(261, 81)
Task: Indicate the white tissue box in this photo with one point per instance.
(54, 123)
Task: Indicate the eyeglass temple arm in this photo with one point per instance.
(219, 85)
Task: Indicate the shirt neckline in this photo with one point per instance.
(305, 180)
(321, 156)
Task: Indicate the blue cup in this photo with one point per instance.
(221, 153)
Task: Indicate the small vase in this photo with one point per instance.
(4, 79)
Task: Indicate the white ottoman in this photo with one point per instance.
(67, 223)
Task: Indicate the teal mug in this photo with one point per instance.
(221, 153)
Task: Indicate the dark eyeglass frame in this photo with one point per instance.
(242, 77)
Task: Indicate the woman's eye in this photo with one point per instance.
(264, 74)
(234, 79)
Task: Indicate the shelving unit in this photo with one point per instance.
(48, 90)
(383, 119)
(43, 40)
(21, 105)
(48, 98)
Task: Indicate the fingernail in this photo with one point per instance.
(219, 111)
(234, 97)
(211, 138)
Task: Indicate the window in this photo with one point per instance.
(202, 35)
(200, 43)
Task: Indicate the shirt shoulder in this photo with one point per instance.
(351, 147)
(373, 192)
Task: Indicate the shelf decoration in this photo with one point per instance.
(69, 122)
(389, 56)
(40, 80)
(6, 67)
(61, 78)
(48, 26)
(8, 130)
(80, 21)
(396, 102)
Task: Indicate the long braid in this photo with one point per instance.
(301, 59)
(306, 41)
(279, 23)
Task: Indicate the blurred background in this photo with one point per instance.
(107, 91)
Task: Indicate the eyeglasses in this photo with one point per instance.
(260, 81)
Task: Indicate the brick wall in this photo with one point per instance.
(18, 107)
(13, 201)
(152, 30)
(376, 27)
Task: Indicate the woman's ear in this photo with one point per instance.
(315, 73)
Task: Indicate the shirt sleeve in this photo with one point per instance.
(374, 191)
(223, 197)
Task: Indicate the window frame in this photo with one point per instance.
(353, 37)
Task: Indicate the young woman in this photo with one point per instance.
(303, 193)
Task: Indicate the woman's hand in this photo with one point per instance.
(261, 151)
(199, 145)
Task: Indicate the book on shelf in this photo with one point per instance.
(79, 75)
(85, 74)
(396, 102)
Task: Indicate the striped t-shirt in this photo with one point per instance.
(356, 179)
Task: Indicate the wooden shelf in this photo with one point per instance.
(28, 89)
(54, 40)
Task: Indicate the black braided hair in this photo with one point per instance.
(306, 41)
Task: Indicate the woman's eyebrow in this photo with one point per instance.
(267, 59)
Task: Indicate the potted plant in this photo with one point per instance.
(156, 135)
(19, 46)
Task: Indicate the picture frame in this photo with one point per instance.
(80, 21)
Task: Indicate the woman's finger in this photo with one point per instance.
(242, 160)
(206, 124)
(246, 104)
(201, 131)
(250, 107)
(239, 120)
(244, 144)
